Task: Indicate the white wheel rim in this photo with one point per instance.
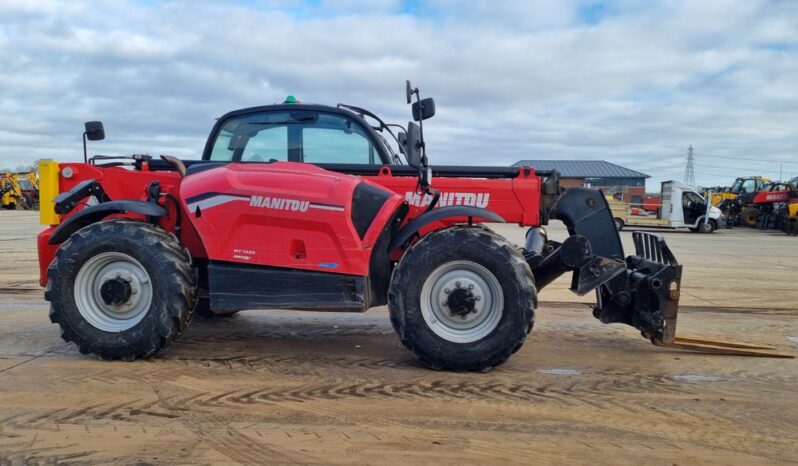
(466, 277)
(88, 291)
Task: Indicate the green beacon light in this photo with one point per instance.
(292, 100)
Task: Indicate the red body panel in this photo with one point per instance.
(769, 197)
(651, 203)
(517, 200)
(305, 223)
(119, 183)
(282, 214)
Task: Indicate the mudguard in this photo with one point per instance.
(407, 232)
(98, 212)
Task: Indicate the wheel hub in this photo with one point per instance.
(113, 291)
(116, 291)
(461, 302)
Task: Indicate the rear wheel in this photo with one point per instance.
(462, 308)
(121, 289)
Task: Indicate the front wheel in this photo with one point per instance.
(750, 217)
(121, 289)
(462, 299)
(706, 226)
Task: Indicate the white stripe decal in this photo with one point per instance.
(326, 207)
(214, 201)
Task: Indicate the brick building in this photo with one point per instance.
(620, 182)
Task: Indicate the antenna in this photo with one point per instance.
(689, 174)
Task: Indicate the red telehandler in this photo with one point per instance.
(299, 206)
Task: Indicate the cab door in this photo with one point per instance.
(693, 207)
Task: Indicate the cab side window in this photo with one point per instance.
(336, 139)
(299, 136)
(268, 144)
(691, 200)
(259, 137)
(749, 186)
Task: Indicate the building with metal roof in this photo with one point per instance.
(583, 168)
(620, 182)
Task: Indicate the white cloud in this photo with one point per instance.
(634, 85)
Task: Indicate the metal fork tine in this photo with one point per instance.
(720, 343)
(719, 347)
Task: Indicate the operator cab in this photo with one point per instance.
(320, 134)
(747, 185)
(296, 133)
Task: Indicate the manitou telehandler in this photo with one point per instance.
(301, 206)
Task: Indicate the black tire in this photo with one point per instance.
(10, 206)
(706, 227)
(172, 288)
(474, 245)
(619, 224)
(749, 217)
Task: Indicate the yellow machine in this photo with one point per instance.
(29, 185)
(791, 222)
(19, 190)
(10, 192)
(749, 184)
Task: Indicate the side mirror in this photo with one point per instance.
(413, 145)
(94, 130)
(402, 137)
(424, 109)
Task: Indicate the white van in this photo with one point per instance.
(681, 206)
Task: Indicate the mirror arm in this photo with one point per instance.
(85, 155)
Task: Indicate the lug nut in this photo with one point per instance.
(444, 304)
(447, 290)
(470, 286)
(457, 284)
(477, 297)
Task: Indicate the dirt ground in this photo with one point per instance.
(280, 387)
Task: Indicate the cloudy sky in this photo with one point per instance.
(634, 83)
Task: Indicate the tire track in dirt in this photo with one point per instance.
(238, 447)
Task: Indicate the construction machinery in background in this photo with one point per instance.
(790, 220)
(29, 186)
(736, 202)
(682, 207)
(19, 191)
(770, 204)
(10, 192)
(300, 206)
(741, 185)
